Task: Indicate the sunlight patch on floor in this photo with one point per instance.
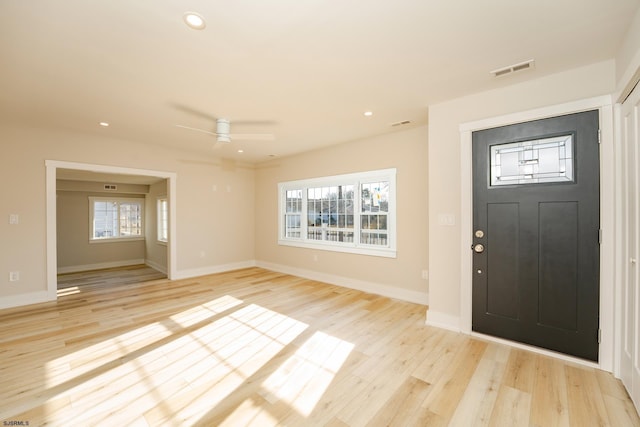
(249, 414)
(304, 377)
(205, 311)
(173, 370)
(250, 338)
(68, 291)
(108, 351)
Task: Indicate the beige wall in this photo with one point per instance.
(155, 251)
(214, 228)
(74, 250)
(406, 151)
(444, 163)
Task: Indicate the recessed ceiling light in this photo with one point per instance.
(194, 20)
(240, 151)
(104, 124)
(368, 113)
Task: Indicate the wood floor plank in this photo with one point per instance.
(520, 372)
(400, 409)
(586, 401)
(512, 408)
(260, 348)
(479, 398)
(447, 392)
(549, 405)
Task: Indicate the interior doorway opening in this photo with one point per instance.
(90, 172)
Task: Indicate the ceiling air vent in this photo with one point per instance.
(110, 187)
(521, 66)
(404, 122)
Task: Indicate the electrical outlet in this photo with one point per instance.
(14, 219)
(425, 274)
(14, 276)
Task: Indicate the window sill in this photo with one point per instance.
(352, 249)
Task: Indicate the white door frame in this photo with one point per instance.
(51, 205)
(627, 339)
(604, 105)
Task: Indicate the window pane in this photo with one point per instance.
(375, 207)
(130, 219)
(375, 197)
(293, 214)
(163, 220)
(105, 219)
(329, 211)
(373, 238)
(532, 162)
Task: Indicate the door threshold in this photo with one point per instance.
(537, 350)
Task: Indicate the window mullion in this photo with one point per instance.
(304, 220)
(357, 208)
(116, 232)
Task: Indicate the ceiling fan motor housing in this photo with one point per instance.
(222, 130)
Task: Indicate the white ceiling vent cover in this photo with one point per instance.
(521, 66)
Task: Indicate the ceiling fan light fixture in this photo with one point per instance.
(194, 20)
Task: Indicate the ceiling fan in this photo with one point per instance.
(223, 132)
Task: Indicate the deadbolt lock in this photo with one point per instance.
(479, 234)
(478, 248)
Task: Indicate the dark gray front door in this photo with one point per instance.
(536, 233)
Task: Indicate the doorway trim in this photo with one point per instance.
(52, 167)
(607, 276)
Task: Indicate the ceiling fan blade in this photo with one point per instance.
(253, 136)
(197, 129)
(254, 122)
(194, 112)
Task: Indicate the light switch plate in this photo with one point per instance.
(14, 219)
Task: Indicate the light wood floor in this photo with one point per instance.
(253, 347)
(108, 277)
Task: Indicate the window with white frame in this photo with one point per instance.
(115, 218)
(163, 219)
(345, 213)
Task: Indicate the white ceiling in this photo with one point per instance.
(305, 70)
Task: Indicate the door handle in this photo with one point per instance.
(478, 248)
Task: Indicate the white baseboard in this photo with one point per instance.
(26, 299)
(443, 320)
(195, 272)
(100, 266)
(158, 267)
(347, 282)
